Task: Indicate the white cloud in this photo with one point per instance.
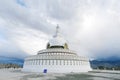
(92, 27)
(30, 41)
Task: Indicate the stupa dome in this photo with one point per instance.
(57, 41)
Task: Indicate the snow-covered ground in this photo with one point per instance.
(17, 74)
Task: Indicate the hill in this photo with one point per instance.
(10, 60)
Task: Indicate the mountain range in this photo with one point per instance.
(10, 60)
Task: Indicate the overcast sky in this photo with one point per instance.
(91, 27)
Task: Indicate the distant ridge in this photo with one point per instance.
(106, 63)
(10, 60)
(111, 58)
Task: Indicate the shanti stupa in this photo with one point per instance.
(56, 58)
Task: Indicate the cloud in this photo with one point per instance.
(27, 25)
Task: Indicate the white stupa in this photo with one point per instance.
(57, 58)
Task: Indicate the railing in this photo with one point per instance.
(56, 50)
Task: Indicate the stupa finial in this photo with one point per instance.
(57, 30)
